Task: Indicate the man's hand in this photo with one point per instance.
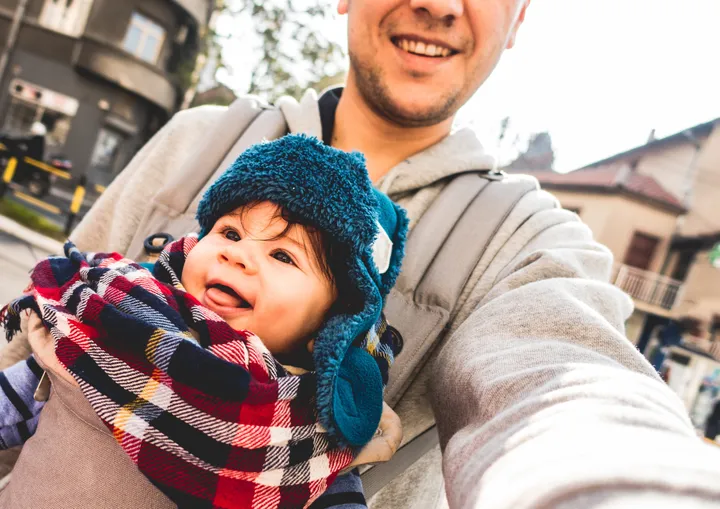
(386, 441)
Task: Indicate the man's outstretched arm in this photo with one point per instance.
(541, 401)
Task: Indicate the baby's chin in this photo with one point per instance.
(239, 324)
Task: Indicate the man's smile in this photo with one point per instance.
(423, 46)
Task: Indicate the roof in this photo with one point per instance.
(684, 136)
(613, 178)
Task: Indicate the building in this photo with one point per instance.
(656, 208)
(102, 75)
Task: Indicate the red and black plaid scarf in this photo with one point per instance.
(212, 419)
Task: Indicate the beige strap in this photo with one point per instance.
(442, 251)
(380, 475)
(435, 226)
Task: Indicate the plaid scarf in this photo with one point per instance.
(212, 420)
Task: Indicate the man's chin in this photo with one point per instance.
(416, 115)
(404, 102)
(422, 115)
(417, 107)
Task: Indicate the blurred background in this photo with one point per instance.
(612, 104)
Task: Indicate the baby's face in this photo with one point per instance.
(272, 288)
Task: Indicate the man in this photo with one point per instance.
(538, 397)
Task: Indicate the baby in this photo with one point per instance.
(297, 248)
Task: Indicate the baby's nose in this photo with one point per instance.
(241, 256)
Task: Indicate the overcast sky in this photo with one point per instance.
(597, 74)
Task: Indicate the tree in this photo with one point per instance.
(292, 51)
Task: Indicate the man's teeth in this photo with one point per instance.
(420, 48)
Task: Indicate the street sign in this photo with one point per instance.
(715, 256)
(44, 97)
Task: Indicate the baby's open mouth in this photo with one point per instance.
(228, 297)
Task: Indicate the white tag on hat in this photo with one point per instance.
(382, 250)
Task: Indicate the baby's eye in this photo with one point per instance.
(231, 235)
(283, 257)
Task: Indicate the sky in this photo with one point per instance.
(598, 75)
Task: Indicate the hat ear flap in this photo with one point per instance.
(357, 398)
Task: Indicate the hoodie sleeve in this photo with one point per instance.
(346, 492)
(19, 412)
(549, 405)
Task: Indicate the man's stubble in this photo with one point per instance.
(374, 91)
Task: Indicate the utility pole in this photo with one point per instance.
(12, 37)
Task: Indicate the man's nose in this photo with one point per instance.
(240, 255)
(439, 9)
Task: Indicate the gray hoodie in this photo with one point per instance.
(539, 398)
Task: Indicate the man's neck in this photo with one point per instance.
(384, 144)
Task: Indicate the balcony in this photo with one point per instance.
(117, 66)
(649, 289)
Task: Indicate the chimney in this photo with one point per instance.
(651, 137)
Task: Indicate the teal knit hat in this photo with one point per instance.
(331, 190)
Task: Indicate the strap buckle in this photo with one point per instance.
(156, 242)
(494, 175)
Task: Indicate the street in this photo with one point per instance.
(16, 260)
(54, 206)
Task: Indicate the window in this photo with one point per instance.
(144, 38)
(105, 155)
(65, 16)
(641, 251)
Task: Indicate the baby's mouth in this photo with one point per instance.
(227, 297)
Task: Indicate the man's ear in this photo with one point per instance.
(518, 21)
(342, 7)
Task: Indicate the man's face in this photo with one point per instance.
(258, 279)
(415, 62)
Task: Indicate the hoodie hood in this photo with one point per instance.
(459, 152)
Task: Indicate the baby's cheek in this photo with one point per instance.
(191, 276)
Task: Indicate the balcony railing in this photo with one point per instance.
(648, 287)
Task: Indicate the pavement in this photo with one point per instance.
(54, 206)
(20, 250)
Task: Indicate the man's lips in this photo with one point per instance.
(424, 46)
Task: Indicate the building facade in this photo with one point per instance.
(656, 208)
(102, 75)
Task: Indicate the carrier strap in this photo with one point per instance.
(442, 252)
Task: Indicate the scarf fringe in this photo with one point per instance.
(10, 315)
